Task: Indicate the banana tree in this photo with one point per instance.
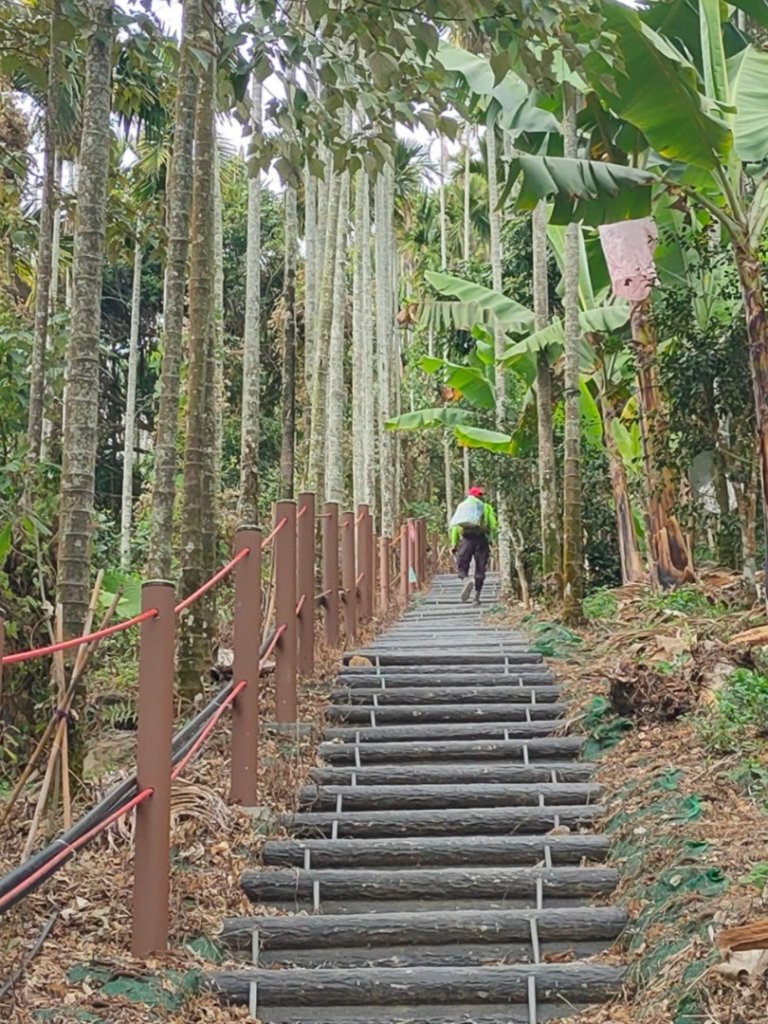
(699, 123)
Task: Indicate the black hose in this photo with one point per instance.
(115, 798)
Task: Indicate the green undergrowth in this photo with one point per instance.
(550, 639)
(671, 877)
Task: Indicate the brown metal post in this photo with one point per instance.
(423, 550)
(151, 870)
(410, 532)
(385, 580)
(243, 785)
(348, 569)
(331, 572)
(374, 570)
(2, 651)
(305, 580)
(404, 552)
(365, 561)
(285, 612)
(418, 553)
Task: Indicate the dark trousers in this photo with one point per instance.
(476, 547)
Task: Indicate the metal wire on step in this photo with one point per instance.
(533, 1014)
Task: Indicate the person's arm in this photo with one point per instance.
(455, 536)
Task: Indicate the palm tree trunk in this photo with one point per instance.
(359, 327)
(82, 399)
(179, 203)
(248, 505)
(370, 405)
(443, 216)
(384, 330)
(129, 442)
(750, 275)
(316, 458)
(195, 641)
(334, 445)
(573, 542)
(310, 269)
(467, 192)
(448, 468)
(288, 390)
(550, 525)
(494, 219)
(217, 353)
(44, 268)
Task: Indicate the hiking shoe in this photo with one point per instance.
(466, 590)
(477, 600)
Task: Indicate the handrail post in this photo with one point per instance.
(385, 580)
(374, 570)
(410, 532)
(348, 581)
(244, 764)
(365, 561)
(404, 565)
(423, 551)
(285, 612)
(305, 579)
(2, 652)
(151, 879)
(331, 572)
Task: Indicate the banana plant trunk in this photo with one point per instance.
(632, 570)
(748, 264)
(671, 562)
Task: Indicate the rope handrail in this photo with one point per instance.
(70, 848)
(300, 604)
(212, 723)
(78, 641)
(209, 584)
(271, 536)
(120, 627)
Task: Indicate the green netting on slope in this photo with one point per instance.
(167, 990)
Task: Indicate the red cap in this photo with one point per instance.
(476, 492)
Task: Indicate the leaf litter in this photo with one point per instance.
(84, 971)
(688, 838)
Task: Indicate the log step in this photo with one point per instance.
(302, 931)
(484, 771)
(461, 821)
(435, 851)
(465, 713)
(419, 656)
(447, 695)
(577, 983)
(486, 1014)
(427, 956)
(520, 675)
(534, 749)
(482, 794)
(427, 883)
(503, 730)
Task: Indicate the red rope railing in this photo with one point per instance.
(88, 638)
(201, 739)
(271, 536)
(209, 584)
(69, 848)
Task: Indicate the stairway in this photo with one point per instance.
(442, 867)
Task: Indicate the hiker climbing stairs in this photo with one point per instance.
(442, 865)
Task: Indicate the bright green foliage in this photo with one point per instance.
(600, 604)
(737, 721)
